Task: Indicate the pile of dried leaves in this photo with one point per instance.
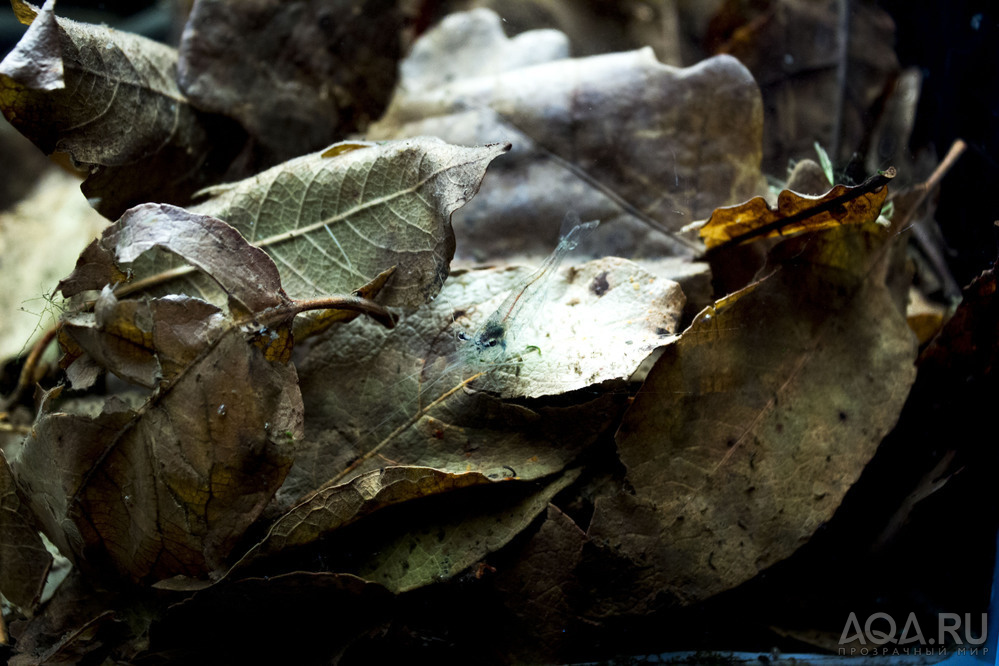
(258, 403)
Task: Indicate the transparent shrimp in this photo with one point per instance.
(492, 342)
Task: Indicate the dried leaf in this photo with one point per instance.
(110, 100)
(333, 225)
(24, 561)
(792, 50)
(622, 138)
(756, 219)
(426, 547)
(755, 423)
(170, 488)
(145, 341)
(334, 507)
(424, 541)
(73, 626)
(244, 272)
(54, 463)
(406, 395)
(540, 587)
(296, 62)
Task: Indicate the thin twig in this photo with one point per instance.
(956, 150)
(26, 378)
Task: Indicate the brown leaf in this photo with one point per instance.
(541, 586)
(245, 272)
(756, 219)
(145, 341)
(622, 138)
(407, 396)
(75, 624)
(110, 100)
(335, 506)
(792, 49)
(755, 423)
(54, 463)
(168, 489)
(24, 561)
(305, 73)
(428, 540)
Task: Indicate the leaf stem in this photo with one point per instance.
(378, 312)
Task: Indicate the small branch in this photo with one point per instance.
(956, 150)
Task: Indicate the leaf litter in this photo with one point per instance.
(260, 451)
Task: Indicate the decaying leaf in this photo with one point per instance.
(169, 487)
(298, 75)
(336, 506)
(110, 100)
(145, 341)
(794, 50)
(333, 224)
(756, 219)
(540, 588)
(243, 271)
(438, 523)
(753, 425)
(430, 539)
(417, 396)
(428, 546)
(619, 137)
(76, 623)
(24, 561)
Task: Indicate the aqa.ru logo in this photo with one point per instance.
(881, 629)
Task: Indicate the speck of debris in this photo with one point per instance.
(599, 286)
